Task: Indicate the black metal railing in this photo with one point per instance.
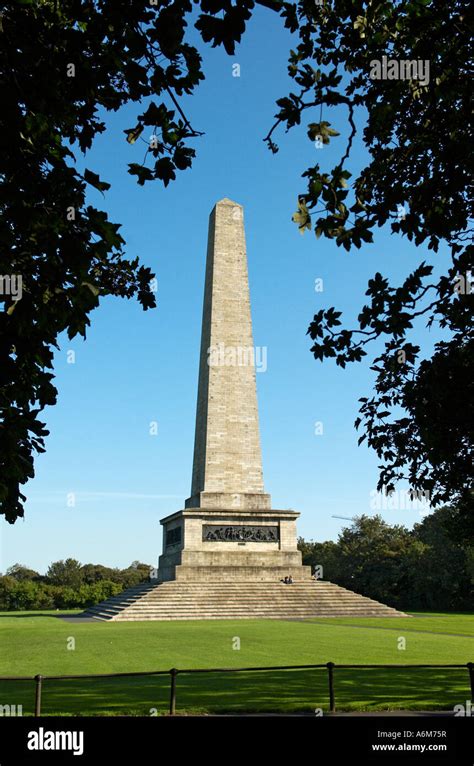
(173, 673)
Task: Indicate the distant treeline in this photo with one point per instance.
(66, 585)
(430, 567)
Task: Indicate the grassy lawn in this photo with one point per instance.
(457, 624)
(33, 643)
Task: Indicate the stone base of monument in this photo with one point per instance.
(235, 600)
(205, 544)
(232, 572)
(223, 564)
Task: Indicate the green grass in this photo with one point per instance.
(457, 624)
(33, 643)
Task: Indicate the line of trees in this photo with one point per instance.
(430, 567)
(67, 584)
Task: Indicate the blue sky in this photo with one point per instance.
(104, 481)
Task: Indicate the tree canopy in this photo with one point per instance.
(424, 568)
(63, 63)
(68, 584)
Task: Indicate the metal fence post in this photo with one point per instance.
(173, 673)
(470, 667)
(332, 700)
(39, 682)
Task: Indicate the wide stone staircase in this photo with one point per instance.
(175, 600)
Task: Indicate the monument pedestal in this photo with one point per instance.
(207, 544)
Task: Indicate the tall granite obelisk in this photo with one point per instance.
(227, 529)
(227, 470)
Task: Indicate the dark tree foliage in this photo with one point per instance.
(66, 585)
(67, 572)
(20, 573)
(418, 137)
(62, 62)
(424, 568)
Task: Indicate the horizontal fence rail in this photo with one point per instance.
(173, 673)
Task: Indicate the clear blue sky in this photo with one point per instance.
(136, 367)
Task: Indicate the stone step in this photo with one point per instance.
(246, 594)
(246, 605)
(234, 610)
(250, 597)
(289, 616)
(267, 595)
(217, 600)
(223, 616)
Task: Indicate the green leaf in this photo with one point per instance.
(164, 169)
(134, 133)
(302, 217)
(94, 290)
(155, 115)
(143, 173)
(94, 180)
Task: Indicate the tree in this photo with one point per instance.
(137, 572)
(322, 557)
(378, 560)
(68, 572)
(126, 578)
(445, 578)
(416, 181)
(423, 568)
(62, 62)
(139, 565)
(417, 133)
(92, 573)
(20, 572)
(65, 590)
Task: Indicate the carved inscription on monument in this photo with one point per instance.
(240, 534)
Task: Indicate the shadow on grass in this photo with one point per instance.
(53, 615)
(274, 691)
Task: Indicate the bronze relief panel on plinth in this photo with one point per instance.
(239, 533)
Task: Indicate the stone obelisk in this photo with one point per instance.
(227, 470)
(228, 529)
